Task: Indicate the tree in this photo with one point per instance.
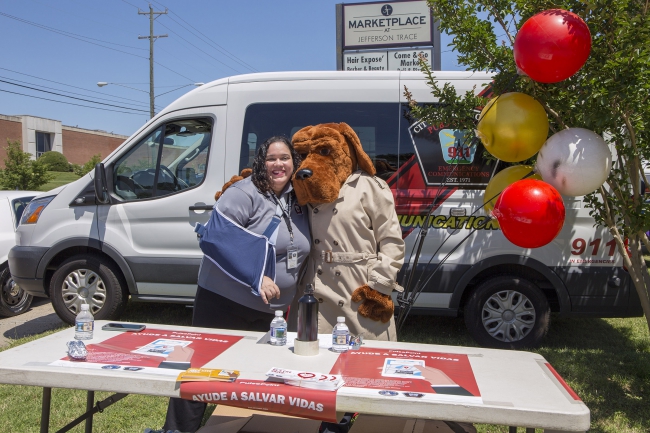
(20, 171)
(82, 170)
(609, 95)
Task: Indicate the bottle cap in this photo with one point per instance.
(278, 313)
(340, 319)
(84, 307)
(309, 288)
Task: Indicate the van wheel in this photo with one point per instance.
(507, 312)
(87, 280)
(13, 299)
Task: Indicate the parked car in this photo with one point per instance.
(13, 299)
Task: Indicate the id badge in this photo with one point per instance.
(292, 258)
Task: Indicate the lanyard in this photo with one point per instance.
(286, 213)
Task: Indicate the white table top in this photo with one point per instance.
(517, 388)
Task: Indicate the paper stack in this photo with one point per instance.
(307, 379)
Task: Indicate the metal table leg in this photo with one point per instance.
(90, 402)
(45, 410)
(99, 407)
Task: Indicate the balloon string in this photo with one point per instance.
(411, 297)
(406, 298)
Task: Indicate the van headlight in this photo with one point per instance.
(34, 210)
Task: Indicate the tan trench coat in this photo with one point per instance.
(356, 240)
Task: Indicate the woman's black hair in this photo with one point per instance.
(260, 176)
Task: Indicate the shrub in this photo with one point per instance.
(81, 170)
(20, 171)
(55, 161)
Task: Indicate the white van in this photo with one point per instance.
(127, 229)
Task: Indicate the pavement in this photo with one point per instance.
(40, 318)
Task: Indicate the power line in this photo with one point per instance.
(68, 103)
(89, 42)
(69, 85)
(65, 33)
(207, 54)
(69, 36)
(71, 97)
(72, 93)
(216, 46)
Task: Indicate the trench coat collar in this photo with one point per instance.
(351, 179)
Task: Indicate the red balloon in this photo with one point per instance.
(530, 213)
(552, 45)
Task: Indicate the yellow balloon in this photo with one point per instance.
(513, 127)
(503, 179)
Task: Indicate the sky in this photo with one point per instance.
(66, 47)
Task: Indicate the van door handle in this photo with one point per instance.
(202, 207)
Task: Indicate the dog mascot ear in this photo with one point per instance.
(363, 160)
(243, 175)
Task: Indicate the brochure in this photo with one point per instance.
(404, 368)
(307, 379)
(207, 374)
(161, 347)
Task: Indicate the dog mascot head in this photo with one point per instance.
(330, 153)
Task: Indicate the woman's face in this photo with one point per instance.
(279, 165)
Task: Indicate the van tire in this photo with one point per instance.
(87, 279)
(13, 299)
(501, 302)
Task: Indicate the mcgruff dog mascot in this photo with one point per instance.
(357, 247)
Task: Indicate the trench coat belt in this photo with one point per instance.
(332, 257)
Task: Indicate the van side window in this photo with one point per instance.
(376, 124)
(172, 158)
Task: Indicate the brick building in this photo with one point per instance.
(39, 135)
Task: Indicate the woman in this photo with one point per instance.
(224, 303)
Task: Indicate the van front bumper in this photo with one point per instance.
(23, 264)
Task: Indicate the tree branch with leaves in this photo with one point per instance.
(608, 95)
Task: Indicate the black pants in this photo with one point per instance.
(212, 311)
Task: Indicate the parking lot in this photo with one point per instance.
(40, 318)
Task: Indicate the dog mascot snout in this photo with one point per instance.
(357, 247)
(303, 174)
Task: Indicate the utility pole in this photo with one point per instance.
(151, 38)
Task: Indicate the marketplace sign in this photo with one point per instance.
(382, 25)
(401, 60)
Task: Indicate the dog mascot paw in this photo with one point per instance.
(374, 305)
(243, 175)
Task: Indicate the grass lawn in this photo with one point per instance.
(606, 361)
(60, 178)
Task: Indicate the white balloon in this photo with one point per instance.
(576, 161)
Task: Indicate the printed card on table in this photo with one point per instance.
(161, 347)
(404, 368)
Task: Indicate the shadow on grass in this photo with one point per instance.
(605, 361)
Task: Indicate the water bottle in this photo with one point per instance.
(278, 329)
(340, 336)
(84, 324)
(308, 316)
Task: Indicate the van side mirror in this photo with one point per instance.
(101, 192)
